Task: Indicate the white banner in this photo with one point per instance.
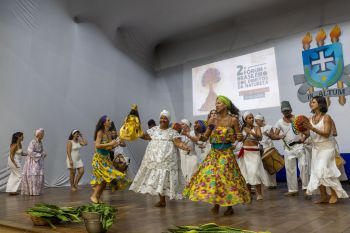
(250, 81)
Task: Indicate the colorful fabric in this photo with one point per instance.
(218, 179)
(103, 170)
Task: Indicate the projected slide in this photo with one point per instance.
(250, 81)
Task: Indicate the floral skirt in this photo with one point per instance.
(218, 180)
(103, 170)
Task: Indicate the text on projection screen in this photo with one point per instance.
(250, 81)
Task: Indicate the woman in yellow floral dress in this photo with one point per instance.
(103, 170)
(218, 179)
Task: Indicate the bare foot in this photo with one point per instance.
(333, 199)
(215, 209)
(73, 189)
(160, 204)
(229, 211)
(94, 200)
(259, 197)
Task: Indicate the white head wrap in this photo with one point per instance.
(186, 122)
(74, 131)
(38, 131)
(259, 117)
(246, 114)
(166, 114)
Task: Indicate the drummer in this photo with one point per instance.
(267, 143)
(294, 150)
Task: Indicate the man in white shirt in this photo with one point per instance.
(266, 142)
(294, 150)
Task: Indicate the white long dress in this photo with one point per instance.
(160, 170)
(15, 177)
(252, 167)
(75, 154)
(324, 170)
(189, 162)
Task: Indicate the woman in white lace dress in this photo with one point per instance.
(324, 171)
(14, 163)
(160, 170)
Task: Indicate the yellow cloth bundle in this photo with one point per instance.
(131, 129)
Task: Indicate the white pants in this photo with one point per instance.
(272, 180)
(304, 165)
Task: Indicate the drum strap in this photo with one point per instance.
(241, 152)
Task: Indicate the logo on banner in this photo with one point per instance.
(323, 69)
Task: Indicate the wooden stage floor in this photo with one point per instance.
(275, 213)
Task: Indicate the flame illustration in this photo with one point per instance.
(307, 39)
(321, 36)
(336, 32)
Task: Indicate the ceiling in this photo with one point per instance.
(140, 26)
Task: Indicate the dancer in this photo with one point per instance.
(103, 170)
(201, 147)
(211, 114)
(294, 150)
(74, 162)
(267, 143)
(14, 163)
(249, 158)
(160, 171)
(188, 159)
(33, 169)
(324, 172)
(218, 179)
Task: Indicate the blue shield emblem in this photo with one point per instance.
(323, 66)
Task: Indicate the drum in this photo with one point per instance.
(273, 161)
(120, 163)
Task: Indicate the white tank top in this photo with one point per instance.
(249, 137)
(320, 126)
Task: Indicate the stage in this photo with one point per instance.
(275, 213)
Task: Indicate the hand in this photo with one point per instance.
(239, 136)
(307, 125)
(71, 163)
(114, 143)
(187, 149)
(185, 133)
(247, 130)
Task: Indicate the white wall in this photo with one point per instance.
(60, 75)
(285, 33)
